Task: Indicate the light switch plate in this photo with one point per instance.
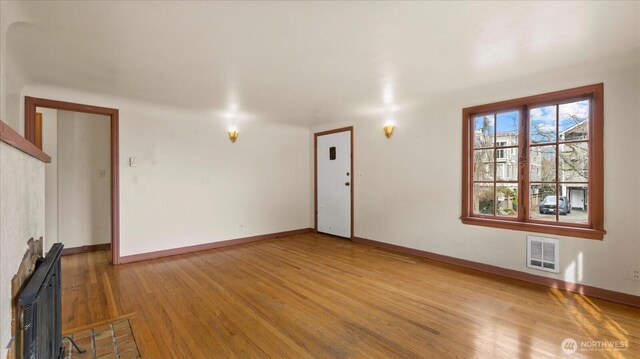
(133, 162)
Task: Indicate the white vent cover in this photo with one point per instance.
(543, 254)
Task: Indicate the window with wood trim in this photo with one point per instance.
(535, 163)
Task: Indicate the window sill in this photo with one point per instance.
(587, 233)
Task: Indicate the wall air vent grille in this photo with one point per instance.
(543, 254)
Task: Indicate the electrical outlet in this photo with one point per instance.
(632, 273)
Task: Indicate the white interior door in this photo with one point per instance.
(333, 156)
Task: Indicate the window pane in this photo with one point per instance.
(507, 125)
(483, 165)
(574, 162)
(542, 164)
(542, 124)
(576, 196)
(507, 200)
(574, 121)
(507, 164)
(483, 198)
(542, 202)
(484, 130)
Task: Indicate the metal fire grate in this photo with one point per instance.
(113, 340)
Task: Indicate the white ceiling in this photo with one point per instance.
(307, 62)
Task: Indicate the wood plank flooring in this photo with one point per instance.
(315, 296)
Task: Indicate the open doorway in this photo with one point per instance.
(82, 206)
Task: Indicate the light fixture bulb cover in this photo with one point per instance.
(388, 130)
(233, 135)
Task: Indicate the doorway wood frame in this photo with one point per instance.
(30, 104)
(315, 173)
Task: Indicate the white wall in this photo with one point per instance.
(21, 186)
(50, 147)
(12, 15)
(192, 185)
(21, 218)
(10, 12)
(84, 179)
(407, 188)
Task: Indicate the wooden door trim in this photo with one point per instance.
(38, 131)
(30, 104)
(315, 173)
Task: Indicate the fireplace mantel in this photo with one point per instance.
(9, 136)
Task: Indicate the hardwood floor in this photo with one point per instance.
(315, 296)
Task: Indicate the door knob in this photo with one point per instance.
(347, 184)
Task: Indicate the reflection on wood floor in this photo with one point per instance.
(315, 296)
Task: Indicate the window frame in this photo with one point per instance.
(595, 182)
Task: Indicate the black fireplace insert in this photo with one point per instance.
(42, 309)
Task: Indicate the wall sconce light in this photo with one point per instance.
(233, 135)
(388, 129)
